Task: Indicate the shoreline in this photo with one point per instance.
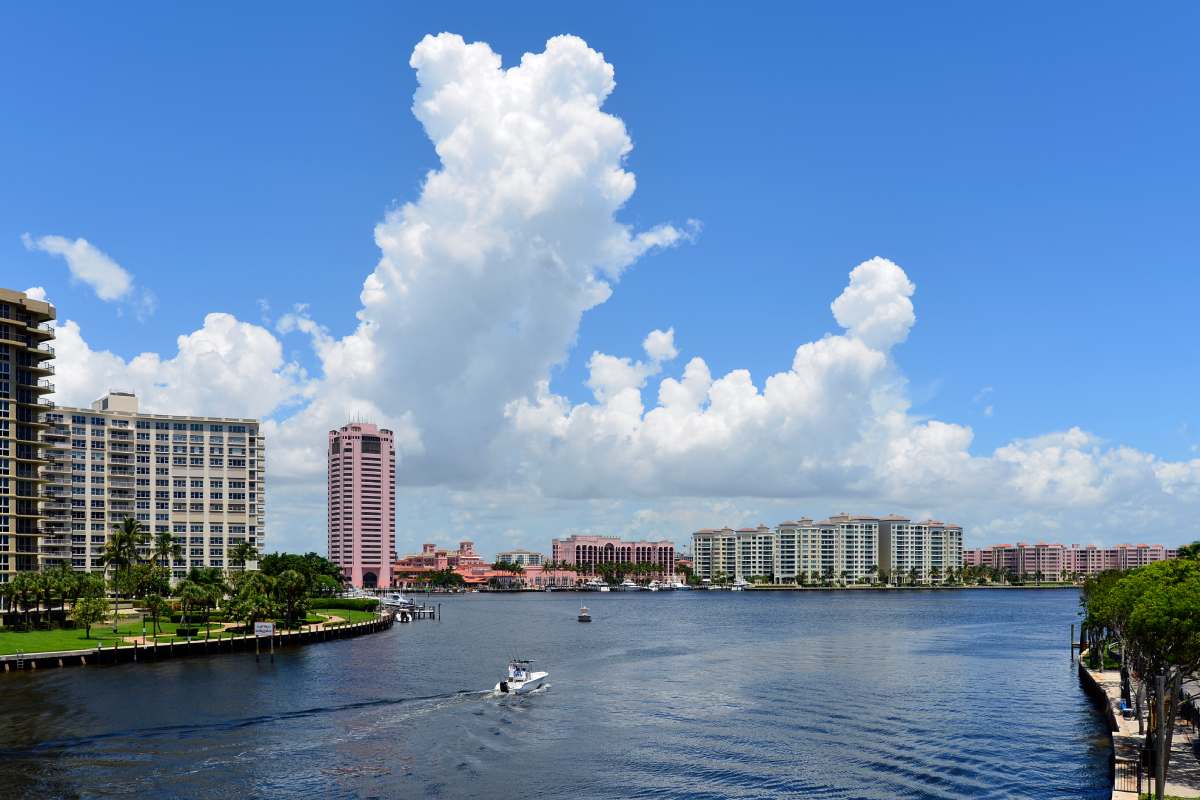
(762, 588)
(138, 653)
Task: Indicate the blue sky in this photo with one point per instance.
(1033, 170)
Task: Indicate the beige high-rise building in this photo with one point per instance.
(845, 548)
(25, 369)
(926, 552)
(198, 478)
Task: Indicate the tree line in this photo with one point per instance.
(1149, 619)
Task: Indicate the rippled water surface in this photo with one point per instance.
(685, 694)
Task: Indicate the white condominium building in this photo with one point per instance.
(846, 548)
(524, 558)
(925, 551)
(199, 478)
(842, 547)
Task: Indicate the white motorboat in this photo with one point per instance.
(739, 585)
(595, 585)
(628, 585)
(520, 678)
(655, 586)
(396, 600)
(680, 586)
(584, 614)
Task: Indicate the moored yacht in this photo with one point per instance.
(628, 585)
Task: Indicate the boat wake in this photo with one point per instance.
(421, 703)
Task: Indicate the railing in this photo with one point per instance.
(1127, 777)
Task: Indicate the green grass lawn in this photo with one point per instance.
(73, 638)
(347, 614)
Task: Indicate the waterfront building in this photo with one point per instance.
(465, 561)
(927, 551)
(525, 558)
(362, 503)
(26, 364)
(1060, 561)
(588, 552)
(846, 548)
(842, 547)
(414, 569)
(202, 479)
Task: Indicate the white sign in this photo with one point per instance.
(264, 629)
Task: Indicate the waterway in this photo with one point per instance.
(675, 695)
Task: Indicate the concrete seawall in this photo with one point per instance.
(1104, 688)
(133, 653)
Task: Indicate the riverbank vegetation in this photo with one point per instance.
(133, 599)
(1149, 618)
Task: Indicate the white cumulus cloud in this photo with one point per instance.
(225, 368)
(477, 296)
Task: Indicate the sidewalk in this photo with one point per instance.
(1183, 778)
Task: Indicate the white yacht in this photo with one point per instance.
(520, 678)
(628, 585)
(680, 586)
(739, 585)
(595, 585)
(396, 600)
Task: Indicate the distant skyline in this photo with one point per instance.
(682, 268)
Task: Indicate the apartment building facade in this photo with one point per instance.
(362, 503)
(588, 552)
(201, 479)
(523, 558)
(1055, 560)
(26, 365)
(845, 548)
(925, 552)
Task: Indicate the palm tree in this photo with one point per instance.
(872, 571)
(242, 552)
(164, 548)
(191, 595)
(156, 605)
(291, 587)
(912, 576)
(121, 553)
(68, 583)
(22, 591)
(934, 574)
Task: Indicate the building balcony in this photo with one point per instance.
(42, 330)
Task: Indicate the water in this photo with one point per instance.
(685, 694)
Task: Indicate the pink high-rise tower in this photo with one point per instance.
(362, 503)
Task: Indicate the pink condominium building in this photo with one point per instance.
(362, 503)
(1058, 559)
(587, 552)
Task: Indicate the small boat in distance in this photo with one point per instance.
(520, 679)
(584, 614)
(628, 585)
